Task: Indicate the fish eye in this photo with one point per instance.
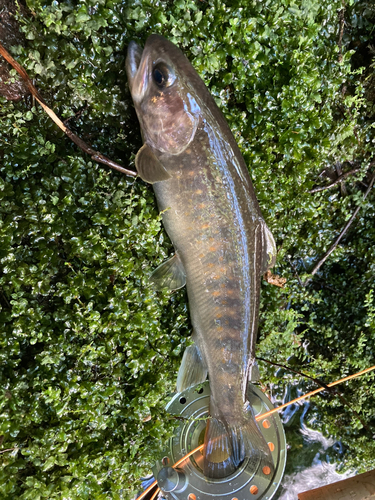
(162, 75)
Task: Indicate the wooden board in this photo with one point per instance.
(361, 487)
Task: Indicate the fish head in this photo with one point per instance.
(161, 81)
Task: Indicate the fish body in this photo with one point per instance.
(222, 243)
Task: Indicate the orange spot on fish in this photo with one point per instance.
(216, 293)
(205, 226)
(201, 205)
(213, 248)
(188, 151)
(198, 191)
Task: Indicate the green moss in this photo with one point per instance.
(88, 351)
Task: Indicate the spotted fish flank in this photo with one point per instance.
(222, 243)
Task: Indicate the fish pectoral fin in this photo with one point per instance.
(269, 249)
(193, 370)
(171, 274)
(149, 168)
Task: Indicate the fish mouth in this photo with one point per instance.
(137, 70)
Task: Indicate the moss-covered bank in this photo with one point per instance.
(88, 351)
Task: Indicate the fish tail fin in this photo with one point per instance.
(217, 455)
(229, 441)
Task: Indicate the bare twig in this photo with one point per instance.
(76, 115)
(322, 384)
(312, 393)
(295, 271)
(338, 239)
(95, 155)
(9, 449)
(339, 179)
(317, 381)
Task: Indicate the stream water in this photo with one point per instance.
(312, 459)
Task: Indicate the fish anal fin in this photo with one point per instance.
(193, 370)
(253, 371)
(148, 166)
(170, 274)
(269, 249)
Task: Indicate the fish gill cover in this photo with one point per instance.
(89, 352)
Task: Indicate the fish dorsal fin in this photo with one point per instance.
(193, 370)
(149, 168)
(269, 249)
(171, 274)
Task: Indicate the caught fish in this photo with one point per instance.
(222, 243)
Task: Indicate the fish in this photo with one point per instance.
(221, 240)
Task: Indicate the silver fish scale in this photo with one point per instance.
(208, 216)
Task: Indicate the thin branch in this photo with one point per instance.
(295, 271)
(312, 393)
(95, 155)
(76, 115)
(322, 384)
(9, 449)
(316, 380)
(339, 238)
(339, 179)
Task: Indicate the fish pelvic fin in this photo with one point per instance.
(229, 441)
(193, 370)
(170, 274)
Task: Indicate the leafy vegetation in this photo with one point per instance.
(88, 351)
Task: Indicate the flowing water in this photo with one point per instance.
(312, 459)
